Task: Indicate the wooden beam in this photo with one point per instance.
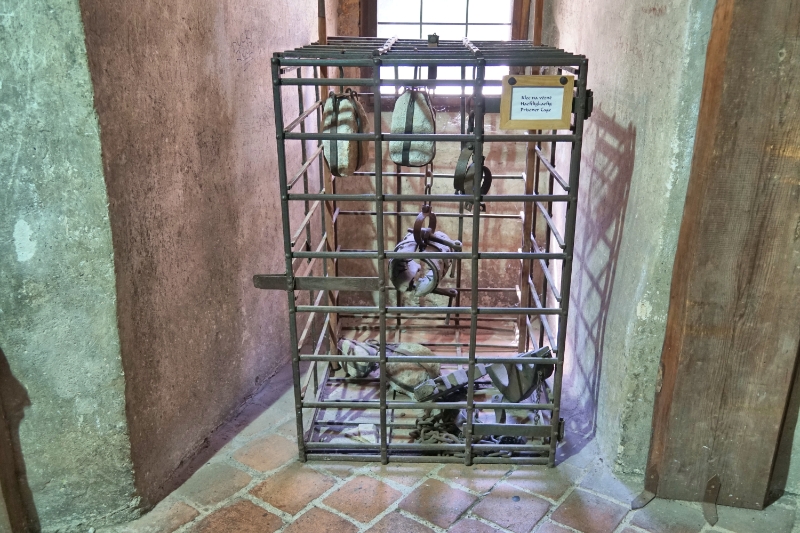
(13, 515)
(368, 18)
(520, 20)
(538, 14)
(733, 326)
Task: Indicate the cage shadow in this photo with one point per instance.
(14, 486)
(606, 181)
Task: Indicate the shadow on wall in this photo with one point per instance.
(609, 154)
(783, 467)
(13, 481)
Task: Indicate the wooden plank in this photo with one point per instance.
(538, 16)
(732, 328)
(520, 19)
(368, 19)
(13, 516)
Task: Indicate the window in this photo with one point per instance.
(477, 20)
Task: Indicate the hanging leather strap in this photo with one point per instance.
(353, 96)
(412, 94)
(461, 168)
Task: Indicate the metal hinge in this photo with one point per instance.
(650, 488)
(589, 104)
(710, 500)
(560, 433)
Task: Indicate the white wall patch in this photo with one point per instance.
(25, 246)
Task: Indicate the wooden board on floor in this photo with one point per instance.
(733, 326)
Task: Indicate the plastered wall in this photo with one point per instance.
(646, 62)
(184, 95)
(61, 377)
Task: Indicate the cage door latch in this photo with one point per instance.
(272, 282)
(587, 113)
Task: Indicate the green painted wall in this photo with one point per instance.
(64, 396)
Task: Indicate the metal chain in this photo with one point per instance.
(436, 429)
(537, 417)
(428, 183)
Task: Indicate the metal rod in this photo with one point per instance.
(478, 161)
(551, 169)
(438, 215)
(436, 175)
(429, 310)
(366, 458)
(391, 23)
(305, 166)
(549, 219)
(548, 276)
(303, 114)
(309, 321)
(438, 137)
(455, 198)
(569, 232)
(428, 255)
(306, 220)
(444, 359)
(388, 82)
(284, 191)
(376, 69)
(372, 405)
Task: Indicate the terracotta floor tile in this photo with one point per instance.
(166, 517)
(272, 416)
(363, 498)
(437, 502)
(468, 525)
(213, 483)
(318, 520)
(341, 469)
(288, 429)
(552, 527)
(589, 513)
(479, 478)
(548, 482)
(601, 479)
(669, 516)
(242, 517)
(267, 454)
(397, 523)
(294, 487)
(577, 451)
(774, 519)
(512, 508)
(403, 473)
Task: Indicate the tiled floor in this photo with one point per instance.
(255, 484)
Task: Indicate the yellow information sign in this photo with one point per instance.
(536, 102)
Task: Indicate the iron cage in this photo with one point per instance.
(539, 313)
